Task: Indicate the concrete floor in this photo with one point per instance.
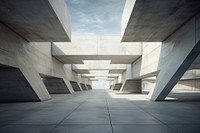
(100, 112)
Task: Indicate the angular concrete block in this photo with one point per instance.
(75, 86)
(131, 86)
(117, 86)
(14, 87)
(83, 86)
(89, 87)
(56, 85)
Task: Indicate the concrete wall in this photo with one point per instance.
(32, 59)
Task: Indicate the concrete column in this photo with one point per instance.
(185, 49)
(131, 86)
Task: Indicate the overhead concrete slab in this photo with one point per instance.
(155, 20)
(14, 87)
(97, 48)
(55, 85)
(117, 68)
(83, 86)
(117, 86)
(37, 20)
(131, 86)
(75, 86)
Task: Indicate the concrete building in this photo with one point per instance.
(46, 74)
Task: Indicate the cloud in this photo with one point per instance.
(99, 17)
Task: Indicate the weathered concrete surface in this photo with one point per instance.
(14, 87)
(185, 49)
(131, 86)
(155, 20)
(96, 48)
(117, 86)
(37, 20)
(83, 86)
(55, 85)
(75, 86)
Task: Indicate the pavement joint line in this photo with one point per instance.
(67, 116)
(109, 115)
(155, 117)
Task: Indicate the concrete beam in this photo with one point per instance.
(96, 48)
(37, 20)
(155, 20)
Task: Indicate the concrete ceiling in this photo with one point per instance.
(37, 20)
(155, 20)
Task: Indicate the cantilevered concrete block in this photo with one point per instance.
(131, 86)
(83, 86)
(185, 49)
(155, 20)
(55, 85)
(37, 20)
(14, 87)
(117, 86)
(75, 86)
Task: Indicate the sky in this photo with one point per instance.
(101, 84)
(95, 17)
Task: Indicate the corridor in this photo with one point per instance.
(100, 111)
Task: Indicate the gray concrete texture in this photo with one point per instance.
(155, 20)
(37, 20)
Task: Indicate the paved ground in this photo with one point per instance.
(100, 112)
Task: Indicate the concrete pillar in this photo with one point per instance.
(75, 86)
(131, 86)
(185, 48)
